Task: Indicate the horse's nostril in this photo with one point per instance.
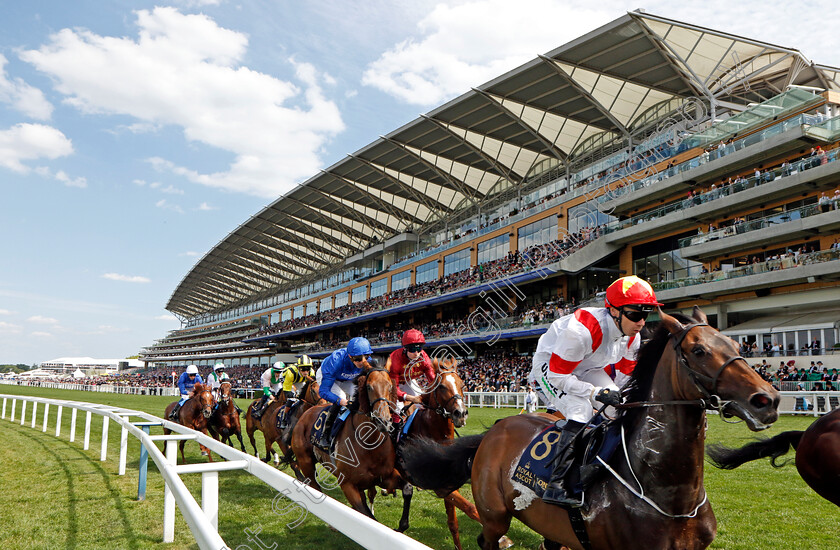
(761, 401)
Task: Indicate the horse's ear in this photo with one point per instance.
(671, 323)
(698, 315)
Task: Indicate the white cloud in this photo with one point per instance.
(162, 203)
(23, 97)
(197, 3)
(126, 278)
(167, 318)
(70, 182)
(42, 320)
(6, 312)
(172, 190)
(206, 207)
(184, 69)
(26, 141)
(9, 328)
(464, 46)
(41, 334)
(189, 253)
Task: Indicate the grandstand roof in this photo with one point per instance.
(604, 84)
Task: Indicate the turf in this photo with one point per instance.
(56, 495)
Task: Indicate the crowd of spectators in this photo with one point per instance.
(787, 377)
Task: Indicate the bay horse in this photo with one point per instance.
(651, 495)
(309, 397)
(817, 454)
(195, 414)
(266, 425)
(364, 455)
(224, 422)
(443, 409)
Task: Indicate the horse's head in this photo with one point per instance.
(379, 393)
(710, 368)
(225, 392)
(204, 398)
(446, 396)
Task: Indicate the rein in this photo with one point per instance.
(710, 399)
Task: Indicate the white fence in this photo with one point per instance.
(203, 520)
(793, 402)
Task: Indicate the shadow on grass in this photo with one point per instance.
(130, 536)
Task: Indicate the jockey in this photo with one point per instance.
(568, 365)
(405, 364)
(215, 379)
(336, 379)
(271, 381)
(293, 379)
(188, 379)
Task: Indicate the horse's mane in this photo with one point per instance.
(649, 355)
(198, 389)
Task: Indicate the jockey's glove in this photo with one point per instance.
(608, 396)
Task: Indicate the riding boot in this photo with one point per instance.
(559, 489)
(324, 443)
(258, 410)
(286, 412)
(173, 416)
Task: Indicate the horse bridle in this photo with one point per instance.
(441, 408)
(710, 399)
(378, 399)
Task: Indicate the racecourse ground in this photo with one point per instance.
(53, 494)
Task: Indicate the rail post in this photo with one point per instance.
(123, 446)
(22, 411)
(34, 411)
(58, 421)
(103, 452)
(46, 412)
(169, 496)
(210, 497)
(14, 403)
(4, 408)
(87, 431)
(73, 424)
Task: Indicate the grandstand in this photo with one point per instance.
(699, 160)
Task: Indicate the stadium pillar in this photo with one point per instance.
(73, 424)
(58, 421)
(46, 412)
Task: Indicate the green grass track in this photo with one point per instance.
(53, 494)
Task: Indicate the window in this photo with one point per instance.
(493, 249)
(400, 280)
(359, 294)
(456, 262)
(298, 311)
(312, 308)
(666, 266)
(378, 288)
(326, 303)
(539, 232)
(587, 215)
(427, 272)
(286, 315)
(341, 299)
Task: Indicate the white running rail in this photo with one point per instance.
(203, 520)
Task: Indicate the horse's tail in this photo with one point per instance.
(728, 459)
(429, 464)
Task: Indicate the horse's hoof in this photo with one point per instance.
(203, 453)
(505, 542)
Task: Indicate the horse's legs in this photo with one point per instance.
(407, 492)
(205, 450)
(356, 499)
(452, 523)
(495, 524)
(461, 502)
(250, 428)
(181, 447)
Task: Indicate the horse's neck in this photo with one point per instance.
(666, 446)
(431, 424)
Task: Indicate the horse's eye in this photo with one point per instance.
(698, 351)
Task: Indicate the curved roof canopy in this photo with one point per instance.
(551, 109)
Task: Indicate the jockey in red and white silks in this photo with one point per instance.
(568, 366)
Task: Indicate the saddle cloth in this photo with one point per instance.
(537, 461)
(321, 421)
(282, 416)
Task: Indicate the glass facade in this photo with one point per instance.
(378, 288)
(493, 249)
(586, 215)
(312, 308)
(298, 311)
(456, 262)
(286, 315)
(666, 266)
(427, 272)
(400, 280)
(341, 299)
(359, 294)
(326, 303)
(540, 232)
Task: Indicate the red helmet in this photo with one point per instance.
(413, 336)
(630, 290)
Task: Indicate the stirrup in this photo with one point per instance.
(558, 495)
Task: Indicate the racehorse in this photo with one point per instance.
(195, 414)
(364, 455)
(817, 454)
(225, 419)
(652, 493)
(265, 424)
(309, 397)
(443, 409)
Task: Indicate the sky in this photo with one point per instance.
(134, 136)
